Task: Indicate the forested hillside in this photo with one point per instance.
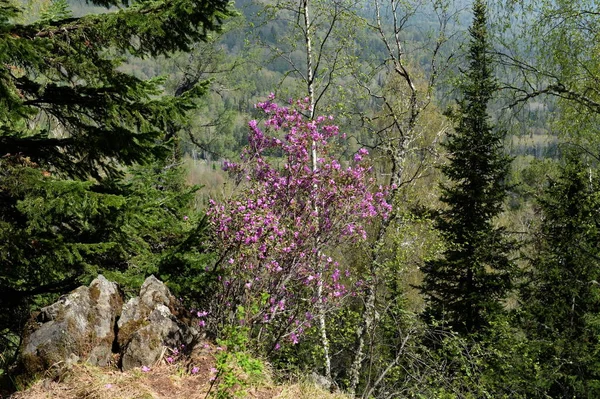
(400, 196)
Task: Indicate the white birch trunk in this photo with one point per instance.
(311, 95)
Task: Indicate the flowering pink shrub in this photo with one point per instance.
(277, 230)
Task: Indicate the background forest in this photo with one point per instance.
(401, 196)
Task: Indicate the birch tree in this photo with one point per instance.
(551, 59)
(406, 145)
(320, 27)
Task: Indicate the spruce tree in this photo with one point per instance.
(466, 284)
(561, 298)
(71, 124)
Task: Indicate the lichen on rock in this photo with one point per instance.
(79, 325)
(91, 324)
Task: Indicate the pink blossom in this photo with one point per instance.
(285, 212)
(145, 369)
(293, 338)
(336, 275)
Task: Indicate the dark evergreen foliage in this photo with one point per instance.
(561, 300)
(71, 123)
(466, 285)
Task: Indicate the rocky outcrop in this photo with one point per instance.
(147, 326)
(92, 324)
(80, 325)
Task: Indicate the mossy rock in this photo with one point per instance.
(79, 325)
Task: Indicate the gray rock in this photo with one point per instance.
(319, 380)
(79, 325)
(83, 325)
(154, 292)
(147, 326)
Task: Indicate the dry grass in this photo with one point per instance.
(88, 382)
(163, 381)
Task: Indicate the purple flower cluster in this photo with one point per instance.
(287, 214)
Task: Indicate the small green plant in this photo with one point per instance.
(236, 369)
